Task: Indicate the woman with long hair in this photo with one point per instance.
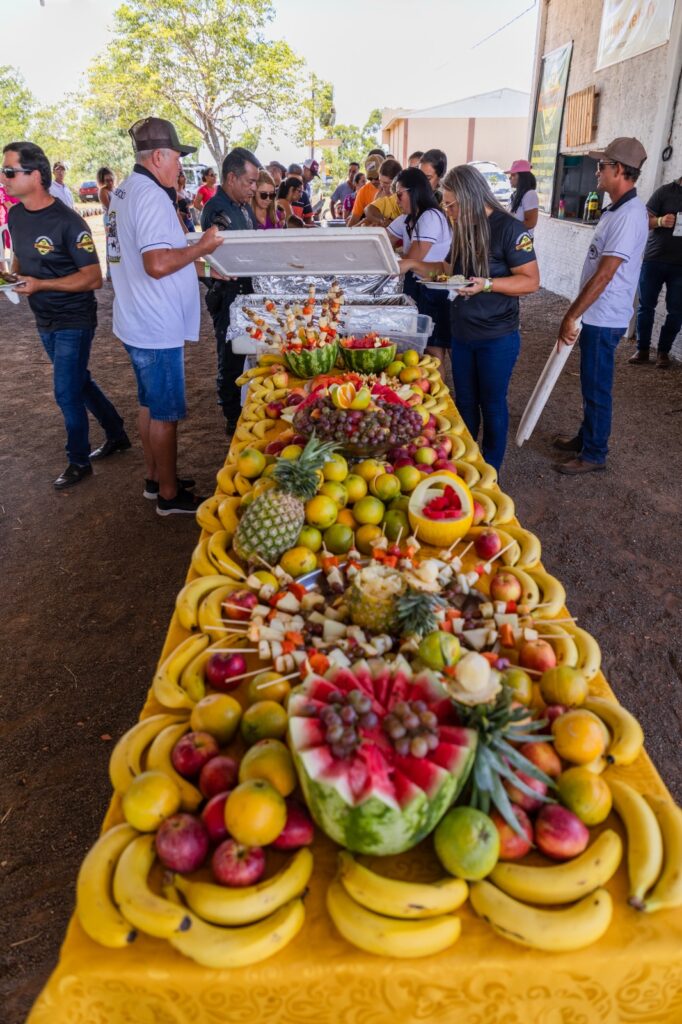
(266, 213)
(424, 233)
(106, 181)
(496, 254)
(524, 201)
(289, 197)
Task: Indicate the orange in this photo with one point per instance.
(269, 760)
(369, 510)
(411, 357)
(335, 468)
(336, 491)
(356, 487)
(342, 395)
(345, 518)
(217, 714)
(266, 719)
(292, 451)
(586, 794)
(409, 477)
(309, 537)
(393, 369)
(321, 511)
(563, 685)
(385, 486)
(250, 463)
(409, 375)
(365, 537)
(578, 737)
(255, 813)
(267, 686)
(369, 468)
(266, 483)
(150, 798)
(298, 561)
(338, 538)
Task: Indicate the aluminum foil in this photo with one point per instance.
(382, 314)
(297, 284)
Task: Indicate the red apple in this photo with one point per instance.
(182, 843)
(299, 439)
(237, 865)
(273, 410)
(403, 460)
(298, 831)
(192, 752)
(512, 845)
(423, 468)
(239, 603)
(542, 755)
(221, 669)
(553, 711)
(295, 397)
(479, 513)
(213, 817)
(429, 432)
(446, 464)
(537, 655)
(517, 796)
(218, 774)
(504, 586)
(274, 448)
(424, 383)
(487, 544)
(432, 422)
(559, 833)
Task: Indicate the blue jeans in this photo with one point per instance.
(597, 356)
(651, 279)
(481, 371)
(160, 375)
(76, 392)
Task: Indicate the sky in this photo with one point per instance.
(406, 53)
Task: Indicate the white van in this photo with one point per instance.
(193, 174)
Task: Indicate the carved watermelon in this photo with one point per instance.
(309, 362)
(367, 360)
(378, 752)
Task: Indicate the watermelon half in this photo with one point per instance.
(376, 800)
(368, 360)
(309, 362)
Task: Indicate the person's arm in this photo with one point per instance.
(105, 197)
(160, 263)
(375, 218)
(589, 293)
(87, 279)
(423, 269)
(198, 202)
(530, 218)
(666, 221)
(419, 250)
(524, 280)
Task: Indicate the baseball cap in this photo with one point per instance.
(313, 167)
(157, 133)
(622, 150)
(372, 165)
(518, 167)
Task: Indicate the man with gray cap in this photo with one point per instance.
(605, 301)
(156, 301)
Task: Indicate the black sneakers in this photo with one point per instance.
(567, 444)
(111, 447)
(72, 475)
(184, 503)
(151, 487)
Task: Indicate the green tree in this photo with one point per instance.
(315, 113)
(355, 143)
(204, 63)
(17, 105)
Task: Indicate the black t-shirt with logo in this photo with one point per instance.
(663, 246)
(51, 243)
(491, 315)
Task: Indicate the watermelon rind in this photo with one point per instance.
(368, 360)
(310, 362)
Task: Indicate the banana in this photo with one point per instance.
(531, 550)
(562, 883)
(99, 916)
(452, 422)
(599, 764)
(126, 757)
(472, 451)
(187, 601)
(387, 936)
(242, 433)
(563, 644)
(645, 841)
(218, 545)
(264, 427)
(553, 593)
(531, 593)
(210, 611)
(487, 504)
(468, 473)
(225, 477)
(488, 474)
(159, 759)
(589, 652)
(207, 513)
(556, 931)
(458, 446)
(504, 506)
(201, 564)
(220, 905)
(667, 892)
(193, 678)
(166, 683)
(148, 912)
(511, 555)
(627, 739)
(227, 514)
(393, 898)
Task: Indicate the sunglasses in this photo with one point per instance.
(267, 195)
(606, 163)
(11, 172)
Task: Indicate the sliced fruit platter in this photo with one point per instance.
(373, 656)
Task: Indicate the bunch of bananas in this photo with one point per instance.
(394, 918)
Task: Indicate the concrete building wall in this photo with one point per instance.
(635, 98)
(499, 139)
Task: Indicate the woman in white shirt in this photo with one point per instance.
(424, 233)
(524, 201)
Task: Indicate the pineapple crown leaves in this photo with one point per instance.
(498, 727)
(299, 476)
(415, 612)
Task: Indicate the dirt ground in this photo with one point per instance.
(90, 575)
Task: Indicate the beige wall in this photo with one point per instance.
(498, 139)
(502, 140)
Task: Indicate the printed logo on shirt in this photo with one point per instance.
(113, 245)
(44, 245)
(524, 243)
(592, 252)
(84, 241)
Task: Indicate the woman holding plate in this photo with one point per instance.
(495, 253)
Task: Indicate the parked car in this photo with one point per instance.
(193, 174)
(88, 192)
(496, 178)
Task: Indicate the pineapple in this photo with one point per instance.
(416, 612)
(372, 598)
(271, 524)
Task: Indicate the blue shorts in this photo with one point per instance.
(160, 374)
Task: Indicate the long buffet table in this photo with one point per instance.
(633, 974)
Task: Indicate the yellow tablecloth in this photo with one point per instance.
(634, 974)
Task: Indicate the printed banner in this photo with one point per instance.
(548, 117)
(630, 27)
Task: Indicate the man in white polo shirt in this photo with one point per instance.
(605, 302)
(156, 301)
(59, 189)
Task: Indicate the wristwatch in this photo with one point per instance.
(488, 286)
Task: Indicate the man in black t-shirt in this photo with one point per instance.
(662, 265)
(58, 269)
